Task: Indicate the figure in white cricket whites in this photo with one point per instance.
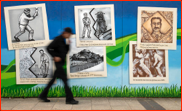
(44, 61)
(142, 57)
(86, 22)
(158, 62)
(23, 24)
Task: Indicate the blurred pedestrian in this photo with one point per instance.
(58, 50)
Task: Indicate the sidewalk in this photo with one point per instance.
(93, 104)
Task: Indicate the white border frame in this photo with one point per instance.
(147, 80)
(157, 45)
(24, 80)
(21, 45)
(89, 74)
(86, 43)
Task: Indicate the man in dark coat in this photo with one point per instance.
(58, 50)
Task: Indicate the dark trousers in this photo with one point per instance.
(59, 73)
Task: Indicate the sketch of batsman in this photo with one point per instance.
(24, 19)
(156, 26)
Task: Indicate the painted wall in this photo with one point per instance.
(60, 14)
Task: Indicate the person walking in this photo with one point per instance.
(58, 50)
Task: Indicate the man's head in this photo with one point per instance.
(156, 23)
(100, 15)
(27, 12)
(41, 51)
(154, 51)
(67, 33)
(85, 14)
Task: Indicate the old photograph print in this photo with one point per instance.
(86, 61)
(95, 25)
(35, 63)
(148, 62)
(157, 28)
(26, 26)
(148, 65)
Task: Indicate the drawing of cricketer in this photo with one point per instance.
(86, 22)
(158, 62)
(23, 24)
(44, 61)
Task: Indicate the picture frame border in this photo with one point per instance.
(91, 74)
(172, 45)
(153, 80)
(87, 43)
(29, 44)
(43, 80)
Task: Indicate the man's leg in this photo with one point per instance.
(44, 93)
(83, 33)
(47, 69)
(89, 30)
(22, 30)
(31, 32)
(69, 95)
(146, 69)
(158, 68)
(62, 75)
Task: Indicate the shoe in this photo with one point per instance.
(17, 39)
(44, 99)
(31, 40)
(72, 102)
(83, 37)
(89, 37)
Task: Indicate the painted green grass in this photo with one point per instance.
(82, 91)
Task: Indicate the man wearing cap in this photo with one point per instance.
(23, 24)
(58, 50)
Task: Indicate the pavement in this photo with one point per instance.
(92, 103)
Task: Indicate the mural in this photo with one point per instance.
(117, 57)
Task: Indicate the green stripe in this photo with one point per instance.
(9, 66)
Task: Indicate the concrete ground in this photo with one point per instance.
(93, 104)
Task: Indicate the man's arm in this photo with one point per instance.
(51, 48)
(30, 18)
(84, 22)
(139, 55)
(56, 48)
(89, 21)
(33, 17)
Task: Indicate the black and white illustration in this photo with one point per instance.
(86, 61)
(148, 65)
(26, 26)
(23, 23)
(95, 23)
(33, 64)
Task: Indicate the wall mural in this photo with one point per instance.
(117, 57)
